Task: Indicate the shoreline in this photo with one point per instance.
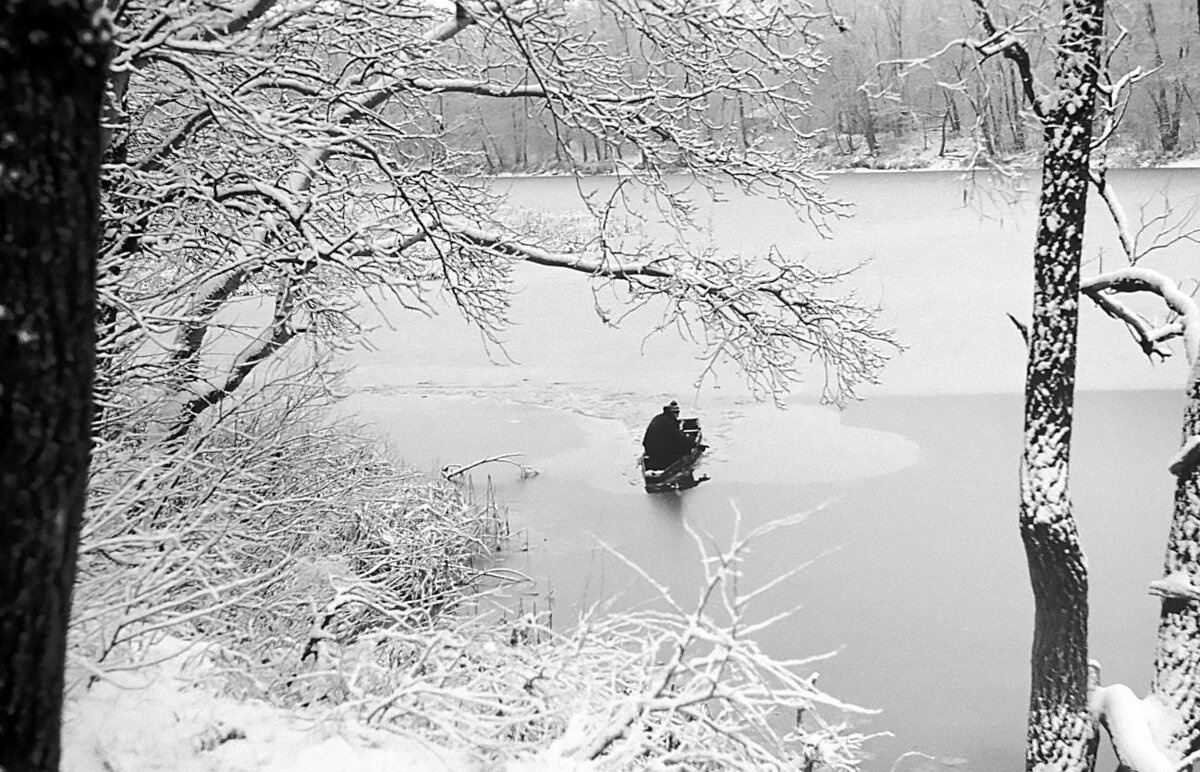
(881, 168)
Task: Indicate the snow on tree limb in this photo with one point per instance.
(1117, 211)
(204, 393)
(1134, 725)
(1137, 279)
(780, 307)
(303, 144)
(1178, 585)
(1004, 41)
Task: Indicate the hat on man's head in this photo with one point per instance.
(673, 407)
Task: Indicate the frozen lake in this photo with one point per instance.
(919, 578)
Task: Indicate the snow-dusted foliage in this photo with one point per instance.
(682, 686)
(298, 152)
(273, 163)
(269, 533)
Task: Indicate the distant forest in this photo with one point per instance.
(896, 92)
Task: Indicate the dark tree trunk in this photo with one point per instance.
(847, 127)
(52, 70)
(520, 134)
(980, 104)
(1062, 735)
(993, 133)
(743, 129)
(868, 123)
(1167, 116)
(1014, 114)
(955, 120)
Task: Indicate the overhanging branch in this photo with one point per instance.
(1136, 279)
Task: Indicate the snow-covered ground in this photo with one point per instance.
(915, 154)
(161, 718)
(157, 718)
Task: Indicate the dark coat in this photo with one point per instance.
(664, 442)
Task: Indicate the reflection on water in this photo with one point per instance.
(668, 507)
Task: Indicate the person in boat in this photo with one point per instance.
(665, 442)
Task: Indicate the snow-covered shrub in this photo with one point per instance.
(300, 568)
(684, 686)
(270, 531)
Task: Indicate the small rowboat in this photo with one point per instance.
(679, 476)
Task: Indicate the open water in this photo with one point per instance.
(918, 580)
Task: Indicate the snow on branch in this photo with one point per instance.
(1138, 728)
(1117, 212)
(1103, 287)
(764, 316)
(1178, 584)
(1004, 41)
(1130, 724)
(671, 685)
(450, 471)
(203, 393)
(242, 16)
(1185, 460)
(258, 142)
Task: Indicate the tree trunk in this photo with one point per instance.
(520, 151)
(743, 130)
(52, 71)
(847, 127)
(494, 158)
(1061, 734)
(995, 136)
(955, 120)
(868, 123)
(1177, 655)
(1014, 114)
(979, 103)
(1168, 119)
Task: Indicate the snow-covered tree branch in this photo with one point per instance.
(260, 146)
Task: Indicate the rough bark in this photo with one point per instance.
(1061, 733)
(52, 70)
(1177, 654)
